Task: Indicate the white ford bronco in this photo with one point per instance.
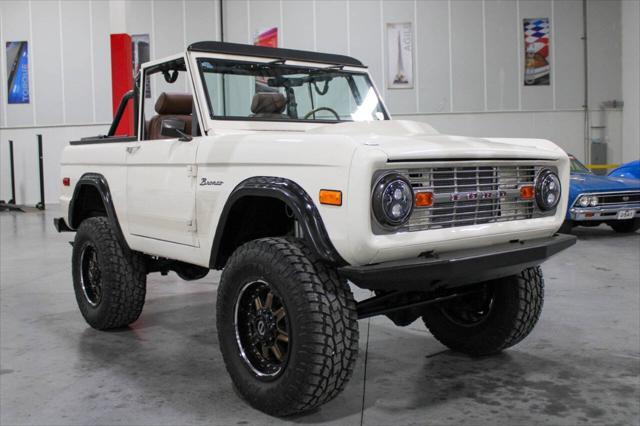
(283, 169)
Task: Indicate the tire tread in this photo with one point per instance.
(325, 309)
(515, 321)
(123, 271)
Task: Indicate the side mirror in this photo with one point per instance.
(174, 129)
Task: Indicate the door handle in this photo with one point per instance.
(132, 149)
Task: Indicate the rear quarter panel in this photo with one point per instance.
(107, 159)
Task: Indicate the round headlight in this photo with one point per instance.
(584, 201)
(392, 201)
(548, 189)
(593, 201)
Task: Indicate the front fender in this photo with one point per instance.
(300, 203)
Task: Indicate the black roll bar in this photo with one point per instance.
(123, 105)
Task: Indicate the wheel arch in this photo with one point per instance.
(274, 189)
(92, 197)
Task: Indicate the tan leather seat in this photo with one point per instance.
(268, 105)
(173, 106)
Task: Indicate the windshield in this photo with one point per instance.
(277, 92)
(578, 167)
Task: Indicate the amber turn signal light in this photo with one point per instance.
(331, 197)
(424, 199)
(527, 192)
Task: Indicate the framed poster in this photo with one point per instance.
(537, 69)
(267, 38)
(400, 56)
(17, 72)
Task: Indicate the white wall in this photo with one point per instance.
(469, 54)
(70, 87)
(25, 151)
(69, 66)
(70, 73)
(631, 78)
(468, 62)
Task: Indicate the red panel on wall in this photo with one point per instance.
(122, 79)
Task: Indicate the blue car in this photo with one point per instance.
(630, 170)
(597, 199)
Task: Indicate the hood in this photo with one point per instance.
(581, 182)
(628, 170)
(412, 140)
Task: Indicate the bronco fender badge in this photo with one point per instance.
(206, 182)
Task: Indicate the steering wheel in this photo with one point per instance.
(313, 111)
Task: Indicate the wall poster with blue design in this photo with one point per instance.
(17, 72)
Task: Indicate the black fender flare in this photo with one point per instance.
(300, 203)
(99, 182)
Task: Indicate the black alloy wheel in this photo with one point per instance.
(90, 274)
(262, 329)
(470, 310)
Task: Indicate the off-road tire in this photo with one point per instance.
(323, 326)
(123, 277)
(625, 226)
(517, 303)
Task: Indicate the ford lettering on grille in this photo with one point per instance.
(477, 195)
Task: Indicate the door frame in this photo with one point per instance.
(153, 67)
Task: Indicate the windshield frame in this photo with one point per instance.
(289, 64)
(584, 170)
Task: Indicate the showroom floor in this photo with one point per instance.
(580, 365)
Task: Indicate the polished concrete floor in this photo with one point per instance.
(581, 365)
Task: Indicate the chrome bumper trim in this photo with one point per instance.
(602, 213)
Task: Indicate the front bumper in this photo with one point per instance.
(602, 213)
(457, 268)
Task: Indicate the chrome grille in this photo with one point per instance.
(618, 198)
(469, 195)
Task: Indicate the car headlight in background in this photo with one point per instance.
(392, 200)
(588, 200)
(548, 190)
(584, 201)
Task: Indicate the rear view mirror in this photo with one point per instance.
(172, 128)
(175, 129)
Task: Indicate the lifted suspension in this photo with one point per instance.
(404, 307)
